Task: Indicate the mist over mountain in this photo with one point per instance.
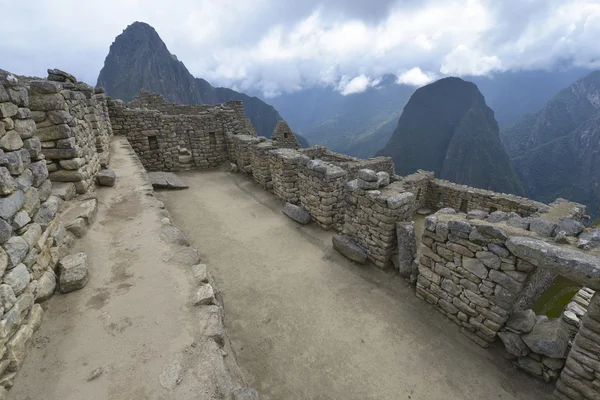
(556, 150)
(138, 58)
(447, 128)
(360, 124)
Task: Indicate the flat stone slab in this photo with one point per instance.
(166, 180)
(424, 211)
(297, 213)
(349, 249)
(570, 263)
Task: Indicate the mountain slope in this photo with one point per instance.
(357, 124)
(556, 151)
(447, 128)
(138, 58)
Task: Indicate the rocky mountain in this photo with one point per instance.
(556, 151)
(447, 128)
(357, 124)
(138, 58)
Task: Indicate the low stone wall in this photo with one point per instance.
(581, 376)
(576, 310)
(239, 151)
(321, 188)
(371, 215)
(261, 163)
(464, 198)
(536, 344)
(418, 184)
(467, 272)
(72, 126)
(284, 174)
(177, 137)
(32, 238)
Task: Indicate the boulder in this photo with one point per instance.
(570, 227)
(570, 263)
(171, 234)
(186, 256)
(200, 273)
(349, 249)
(204, 295)
(514, 344)
(17, 278)
(589, 239)
(166, 180)
(383, 179)
(549, 338)
(46, 286)
(297, 213)
(530, 365)
(73, 272)
(498, 216)
(521, 321)
(16, 249)
(106, 177)
(367, 175)
(542, 227)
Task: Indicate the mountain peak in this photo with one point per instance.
(139, 59)
(447, 128)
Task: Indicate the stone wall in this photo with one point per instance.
(284, 137)
(580, 379)
(418, 184)
(32, 240)
(284, 174)
(463, 198)
(261, 163)
(467, 272)
(239, 151)
(168, 141)
(321, 188)
(372, 209)
(73, 127)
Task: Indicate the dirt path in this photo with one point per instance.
(307, 324)
(117, 336)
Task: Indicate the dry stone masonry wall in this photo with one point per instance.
(34, 241)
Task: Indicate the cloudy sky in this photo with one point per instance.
(276, 46)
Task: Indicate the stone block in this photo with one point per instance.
(297, 213)
(349, 248)
(73, 272)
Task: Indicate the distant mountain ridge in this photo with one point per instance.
(556, 150)
(447, 128)
(138, 58)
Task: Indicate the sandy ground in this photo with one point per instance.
(114, 338)
(307, 324)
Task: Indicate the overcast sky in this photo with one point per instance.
(281, 46)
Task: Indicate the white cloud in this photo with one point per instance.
(275, 46)
(416, 77)
(355, 85)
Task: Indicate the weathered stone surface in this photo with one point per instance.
(367, 175)
(530, 365)
(5, 231)
(47, 211)
(200, 273)
(53, 132)
(245, 394)
(63, 190)
(549, 338)
(186, 256)
(489, 259)
(40, 173)
(542, 227)
(7, 182)
(349, 248)
(171, 234)
(7, 296)
(407, 247)
(589, 239)
(106, 177)
(366, 185)
(460, 226)
(475, 267)
(47, 102)
(497, 216)
(573, 264)
(16, 249)
(477, 214)
(297, 213)
(17, 278)
(18, 346)
(73, 272)
(570, 227)
(166, 180)
(44, 87)
(204, 295)
(514, 344)
(521, 321)
(46, 286)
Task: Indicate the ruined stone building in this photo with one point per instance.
(482, 260)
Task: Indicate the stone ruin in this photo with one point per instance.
(482, 259)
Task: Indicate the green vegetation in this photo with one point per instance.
(554, 300)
